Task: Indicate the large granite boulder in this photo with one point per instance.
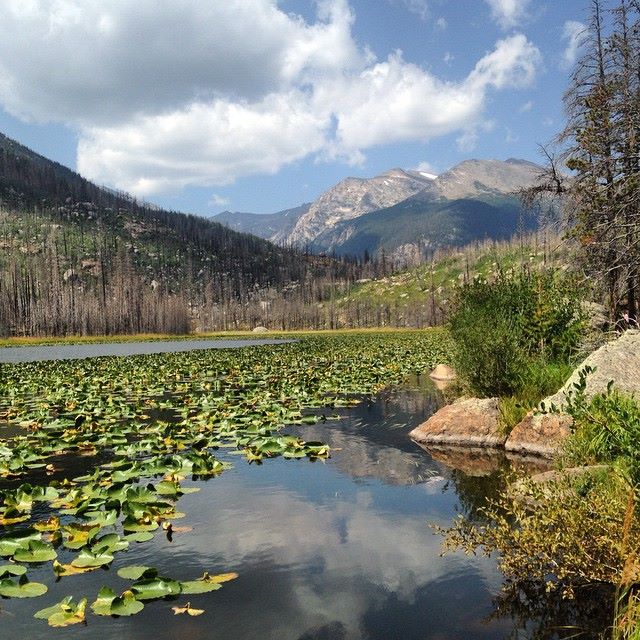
(543, 434)
(618, 361)
(443, 372)
(468, 421)
(539, 434)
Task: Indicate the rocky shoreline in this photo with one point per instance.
(475, 422)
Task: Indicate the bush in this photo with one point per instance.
(538, 380)
(540, 532)
(508, 330)
(606, 427)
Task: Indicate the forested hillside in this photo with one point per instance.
(78, 258)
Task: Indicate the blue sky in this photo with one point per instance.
(258, 105)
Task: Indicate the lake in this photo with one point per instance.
(337, 549)
(91, 350)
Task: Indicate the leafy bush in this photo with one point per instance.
(506, 331)
(539, 533)
(606, 427)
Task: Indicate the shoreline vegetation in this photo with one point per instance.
(517, 339)
(33, 341)
(575, 533)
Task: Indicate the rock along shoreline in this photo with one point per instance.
(475, 422)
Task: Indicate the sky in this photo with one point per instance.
(261, 105)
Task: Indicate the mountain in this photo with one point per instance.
(426, 225)
(405, 211)
(353, 198)
(273, 226)
(482, 178)
(79, 258)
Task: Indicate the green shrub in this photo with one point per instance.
(540, 532)
(538, 380)
(508, 330)
(606, 427)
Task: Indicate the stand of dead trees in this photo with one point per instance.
(601, 146)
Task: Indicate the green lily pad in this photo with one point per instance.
(12, 570)
(21, 589)
(10, 543)
(77, 536)
(140, 536)
(109, 604)
(133, 525)
(64, 613)
(135, 572)
(111, 542)
(36, 551)
(155, 588)
(87, 558)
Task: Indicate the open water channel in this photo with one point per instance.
(333, 550)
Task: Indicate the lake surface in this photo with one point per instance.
(334, 550)
(92, 350)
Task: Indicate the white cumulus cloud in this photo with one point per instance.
(574, 33)
(204, 144)
(508, 13)
(170, 95)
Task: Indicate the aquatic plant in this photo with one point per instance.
(144, 429)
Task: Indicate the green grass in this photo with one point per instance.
(450, 268)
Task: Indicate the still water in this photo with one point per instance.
(89, 350)
(332, 550)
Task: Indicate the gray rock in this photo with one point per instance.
(470, 421)
(260, 330)
(618, 361)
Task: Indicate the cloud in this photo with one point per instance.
(166, 96)
(427, 167)
(527, 106)
(419, 7)
(217, 200)
(510, 137)
(100, 63)
(333, 561)
(205, 144)
(513, 62)
(574, 33)
(508, 13)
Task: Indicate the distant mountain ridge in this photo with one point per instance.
(402, 210)
(272, 226)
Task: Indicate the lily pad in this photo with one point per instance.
(207, 583)
(64, 613)
(139, 536)
(62, 570)
(155, 588)
(87, 558)
(12, 570)
(187, 609)
(135, 572)
(109, 604)
(10, 543)
(36, 551)
(23, 588)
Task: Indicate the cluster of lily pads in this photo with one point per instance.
(139, 427)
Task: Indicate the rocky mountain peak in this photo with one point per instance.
(475, 177)
(354, 197)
